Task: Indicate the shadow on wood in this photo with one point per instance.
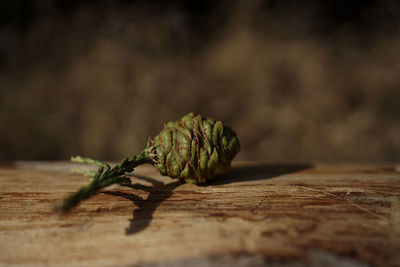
(258, 172)
(158, 193)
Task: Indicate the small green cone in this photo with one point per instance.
(194, 149)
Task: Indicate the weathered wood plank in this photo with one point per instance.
(281, 211)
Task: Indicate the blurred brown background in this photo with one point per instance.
(297, 80)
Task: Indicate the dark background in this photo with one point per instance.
(297, 80)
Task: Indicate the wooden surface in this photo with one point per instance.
(281, 214)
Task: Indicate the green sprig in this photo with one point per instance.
(103, 177)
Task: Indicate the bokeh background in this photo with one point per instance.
(297, 80)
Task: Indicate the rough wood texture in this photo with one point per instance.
(286, 212)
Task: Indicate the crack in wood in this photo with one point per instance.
(349, 201)
(259, 203)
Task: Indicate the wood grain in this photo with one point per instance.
(280, 211)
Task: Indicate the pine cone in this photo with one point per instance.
(194, 149)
